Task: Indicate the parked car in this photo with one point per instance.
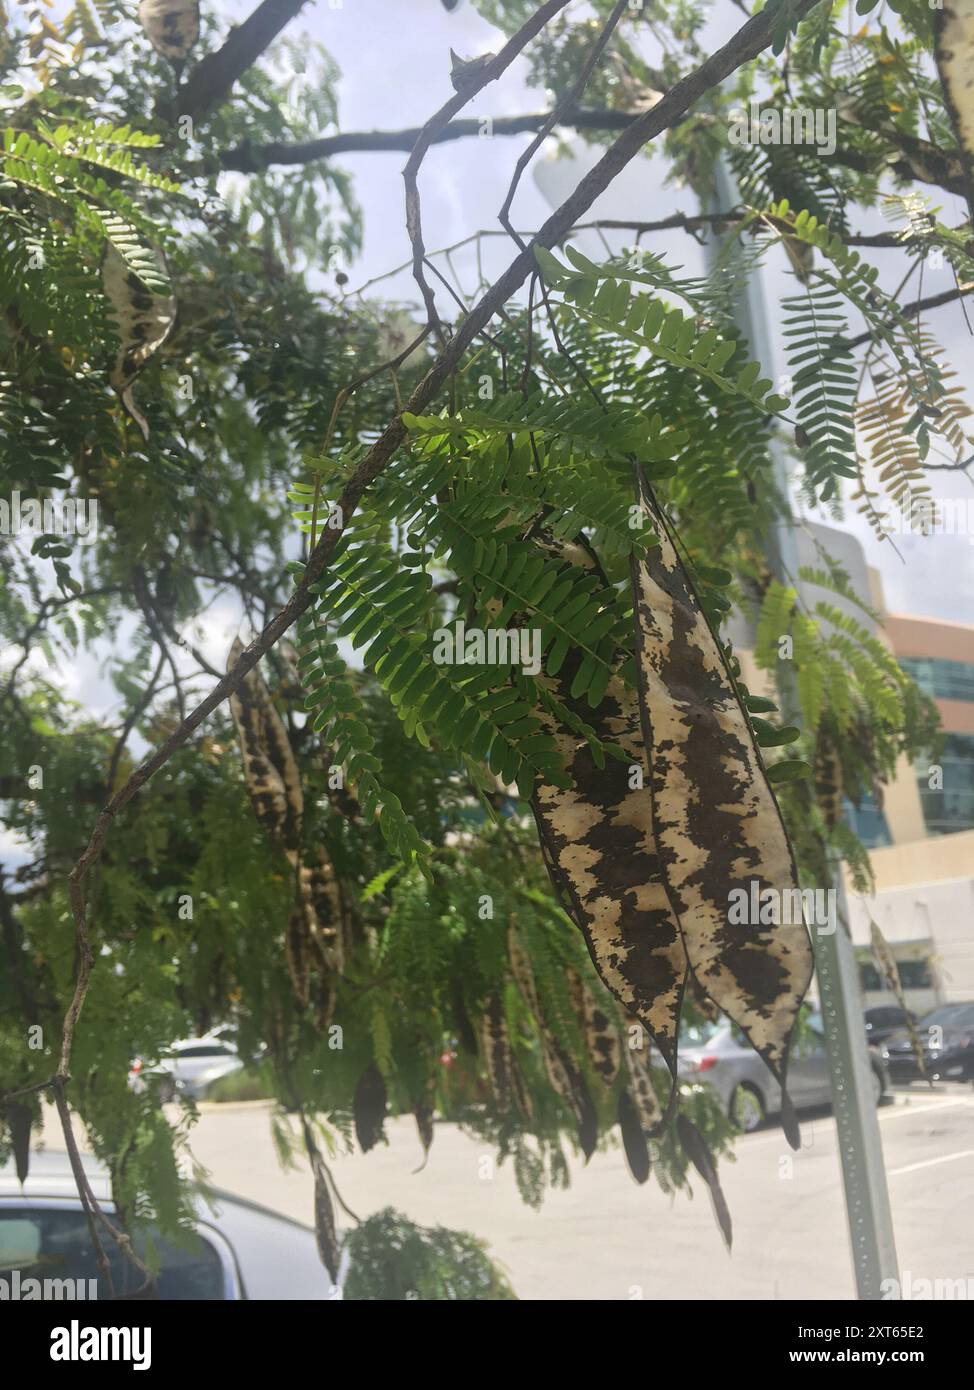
(193, 1066)
(885, 1020)
(241, 1250)
(719, 1055)
(947, 1038)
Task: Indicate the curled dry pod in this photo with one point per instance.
(633, 1137)
(369, 1108)
(143, 318)
(700, 1156)
(326, 1233)
(171, 26)
(718, 829)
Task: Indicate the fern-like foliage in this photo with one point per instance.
(825, 386)
(602, 295)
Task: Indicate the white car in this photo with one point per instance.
(242, 1250)
(190, 1069)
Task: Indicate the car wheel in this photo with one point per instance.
(877, 1086)
(167, 1090)
(746, 1107)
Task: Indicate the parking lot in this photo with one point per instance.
(606, 1238)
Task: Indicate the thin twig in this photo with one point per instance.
(438, 123)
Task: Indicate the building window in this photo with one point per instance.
(950, 809)
(944, 680)
(867, 821)
(914, 974)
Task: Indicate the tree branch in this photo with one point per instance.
(439, 122)
(916, 306)
(918, 160)
(746, 44)
(212, 78)
(252, 159)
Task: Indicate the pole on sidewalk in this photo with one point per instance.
(864, 1175)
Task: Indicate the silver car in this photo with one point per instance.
(718, 1055)
(241, 1250)
(192, 1067)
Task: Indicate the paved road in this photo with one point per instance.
(607, 1238)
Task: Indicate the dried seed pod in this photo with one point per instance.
(369, 1108)
(699, 1155)
(522, 1095)
(270, 770)
(315, 935)
(461, 1019)
(651, 1114)
(568, 1082)
(171, 26)
(325, 1229)
(718, 827)
(522, 972)
(143, 321)
(423, 1111)
(599, 1027)
(633, 1137)
(828, 779)
(296, 954)
(597, 840)
(496, 1052)
(18, 1120)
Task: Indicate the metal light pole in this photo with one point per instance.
(864, 1175)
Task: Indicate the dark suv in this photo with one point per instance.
(947, 1037)
(885, 1020)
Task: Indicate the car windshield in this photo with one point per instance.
(700, 1033)
(953, 1015)
(55, 1245)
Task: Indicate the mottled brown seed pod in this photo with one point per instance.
(171, 26)
(717, 825)
(143, 321)
(599, 1028)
